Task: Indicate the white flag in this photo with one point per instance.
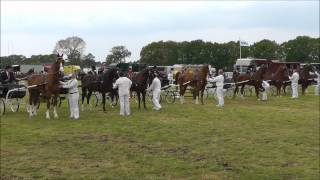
(244, 43)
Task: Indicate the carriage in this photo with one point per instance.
(11, 95)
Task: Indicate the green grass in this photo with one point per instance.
(247, 139)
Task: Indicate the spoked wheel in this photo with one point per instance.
(169, 97)
(206, 94)
(228, 93)
(272, 91)
(14, 104)
(2, 107)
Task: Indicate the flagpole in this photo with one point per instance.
(240, 47)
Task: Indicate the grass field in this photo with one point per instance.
(247, 139)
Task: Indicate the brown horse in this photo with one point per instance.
(278, 78)
(305, 79)
(247, 79)
(140, 83)
(197, 80)
(48, 85)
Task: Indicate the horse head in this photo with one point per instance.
(60, 62)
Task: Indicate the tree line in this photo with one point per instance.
(302, 49)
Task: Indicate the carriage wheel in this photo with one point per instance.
(206, 94)
(14, 104)
(2, 107)
(170, 97)
(229, 93)
(272, 91)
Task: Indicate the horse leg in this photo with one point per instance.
(30, 108)
(88, 100)
(236, 90)
(48, 97)
(256, 87)
(84, 94)
(202, 91)
(242, 91)
(104, 101)
(55, 100)
(35, 102)
(196, 96)
(182, 91)
(138, 93)
(144, 99)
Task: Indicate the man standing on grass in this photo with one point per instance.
(219, 83)
(123, 84)
(294, 83)
(155, 87)
(266, 86)
(72, 86)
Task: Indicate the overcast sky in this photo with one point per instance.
(34, 27)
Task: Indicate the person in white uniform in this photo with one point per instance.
(219, 83)
(294, 83)
(155, 87)
(266, 87)
(73, 96)
(317, 90)
(123, 84)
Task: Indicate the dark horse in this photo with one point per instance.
(89, 83)
(48, 85)
(247, 79)
(197, 80)
(140, 83)
(278, 78)
(305, 78)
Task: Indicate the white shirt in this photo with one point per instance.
(294, 78)
(318, 77)
(123, 84)
(218, 79)
(155, 85)
(72, 85)
(170, 76)
(265, 84)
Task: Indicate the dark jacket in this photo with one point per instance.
(5, 79)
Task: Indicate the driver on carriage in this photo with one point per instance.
(130, 73)
(7, 76)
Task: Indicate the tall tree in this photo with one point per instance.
(302, 49)
(88, 61)
(73, 47)
(265, 49)
(118, 54)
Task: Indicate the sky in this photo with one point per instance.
(34, 27)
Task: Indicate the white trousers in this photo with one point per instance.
(156, 99)
(73, 105)
(220, 96)
(124, 105)
(265, 94)
(294, 87)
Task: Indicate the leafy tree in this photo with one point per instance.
(73, 47)
(265, 49)
(302, 49)
(88, 61)
(118, 54)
